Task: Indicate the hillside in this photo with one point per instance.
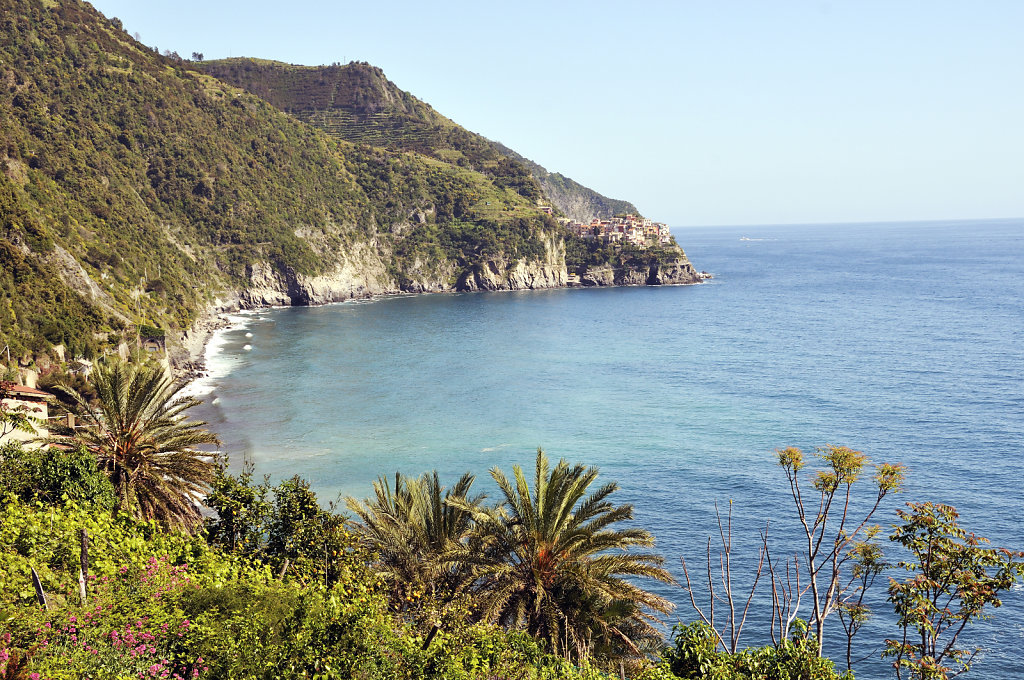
(136, 190)
(572, 198)
(357, 103)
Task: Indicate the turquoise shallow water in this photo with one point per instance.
(902, 340)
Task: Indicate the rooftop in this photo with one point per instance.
(9, 389)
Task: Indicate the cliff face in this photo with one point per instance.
(269, 286)
(366, 275)
(356, 278)
(673, 272)
(547, 272)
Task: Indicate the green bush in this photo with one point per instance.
(694, 655)
(54, 475)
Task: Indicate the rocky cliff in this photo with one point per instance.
(366, 275)
(673, 272)
(267, 286)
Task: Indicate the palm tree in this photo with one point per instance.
(414, 529)
(142, 438)
(556, 566)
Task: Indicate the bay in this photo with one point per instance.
(903, 340)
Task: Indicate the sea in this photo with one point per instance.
(901, 340)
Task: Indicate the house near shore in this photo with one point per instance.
(29, 401)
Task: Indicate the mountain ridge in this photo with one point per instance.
(358, 103)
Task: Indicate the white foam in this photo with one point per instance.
(217, 364)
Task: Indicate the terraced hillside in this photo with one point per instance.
(357, 103)
(572, 198)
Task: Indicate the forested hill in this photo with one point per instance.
(134, 188)
(356, 102)
(137, 191)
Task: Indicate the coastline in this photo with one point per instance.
(189, 359)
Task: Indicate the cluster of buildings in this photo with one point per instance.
(638, 231)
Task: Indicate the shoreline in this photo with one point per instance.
(189, 361)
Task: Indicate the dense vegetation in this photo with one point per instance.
(108, 572)
(276, 586)
(357, 103)
(134, 189)
(160, 604)
(97, 583)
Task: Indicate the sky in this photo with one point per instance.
(699, 112)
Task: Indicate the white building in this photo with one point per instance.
(30, 402)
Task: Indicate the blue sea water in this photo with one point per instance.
(903, 340)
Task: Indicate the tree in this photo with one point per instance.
(555, 565)
(868, 562)
(306, 539)
(16, 419)
(415, 531)
(241, 510)
(733, 626)
(831, 533)
(952, 581)
(197, 56)
(142, 438)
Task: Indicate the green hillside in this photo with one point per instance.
(357, 103)
(571, 197)
(134, 188)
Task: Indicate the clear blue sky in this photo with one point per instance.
(701, 113)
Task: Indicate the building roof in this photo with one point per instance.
(9, 389)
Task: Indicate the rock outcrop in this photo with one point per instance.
(676, 272)
(359, 273)
(548, 272)
(500, 275)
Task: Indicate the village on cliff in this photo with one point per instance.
(632, 229)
